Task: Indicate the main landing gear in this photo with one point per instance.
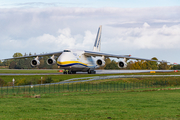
(91, 72)
(74, 72)
(69, 72)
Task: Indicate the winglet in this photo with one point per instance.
(97, 44)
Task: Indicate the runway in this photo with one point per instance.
(97, 72)
(129, 71)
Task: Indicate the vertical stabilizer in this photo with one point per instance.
(97, 44)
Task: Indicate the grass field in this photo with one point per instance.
(104, 103)
(115, 84)
(18, 71)
(61, 77)
(154, 105)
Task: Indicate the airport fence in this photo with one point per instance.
(88, 86)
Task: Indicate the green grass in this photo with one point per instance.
(56, 78)
(141, 103)
(36, 79)
(119, 84)
(93, 105)
(19, 71)
(60, 77)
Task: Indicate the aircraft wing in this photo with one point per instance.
(39, 55)
(94, 54)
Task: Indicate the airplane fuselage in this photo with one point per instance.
(76, 61)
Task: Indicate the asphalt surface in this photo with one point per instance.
(129, 71)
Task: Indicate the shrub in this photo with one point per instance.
(48, 80)
(21, 82)
(2, 82)
(33, 81)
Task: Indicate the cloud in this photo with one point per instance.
(146, 25)
(146, 37)
(63, 40)
(24, 23)
(35, 4)
(54, 29)
(43, 4)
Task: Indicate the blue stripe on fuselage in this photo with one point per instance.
(68, 65)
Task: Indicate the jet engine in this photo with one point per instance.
(100, 62)
(122, 64)
(51, 61)
(35, 62)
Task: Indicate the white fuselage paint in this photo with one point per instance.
(75, 60)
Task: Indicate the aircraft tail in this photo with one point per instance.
(97, 44)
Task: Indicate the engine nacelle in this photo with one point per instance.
(100, 62)
(51, 61)
(35, 62)
(122, 64)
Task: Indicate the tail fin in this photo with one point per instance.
(97, 44)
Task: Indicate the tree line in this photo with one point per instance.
(25, 63)
(138, 65)
(110, 64)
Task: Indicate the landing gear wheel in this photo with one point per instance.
(64, 72)
(91, 72)
(69, 72)
(73, 72)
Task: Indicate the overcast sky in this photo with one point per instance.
(141, 28)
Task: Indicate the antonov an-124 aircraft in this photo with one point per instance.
(73, 61)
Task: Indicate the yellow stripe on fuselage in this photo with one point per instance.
(70, 62)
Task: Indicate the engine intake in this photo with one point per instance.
(100, 62)
(122, 64)
(51, 61)
(35, 62)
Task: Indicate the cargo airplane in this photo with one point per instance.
(73, 61)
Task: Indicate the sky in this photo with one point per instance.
(141, 28)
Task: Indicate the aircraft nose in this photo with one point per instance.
(65, 57)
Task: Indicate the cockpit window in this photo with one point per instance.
(67, 51)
